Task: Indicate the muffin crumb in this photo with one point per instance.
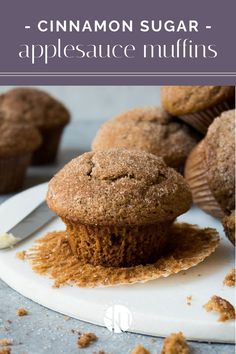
(5, 342)
(21, 255)
(224, 307)
(189, 300)
(5, 350)
(21, 312)
(229, 279)
(175, 343)
(86, 339)
(139, 349)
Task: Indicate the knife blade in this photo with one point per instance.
(37, 218)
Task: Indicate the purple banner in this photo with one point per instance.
(118, 42)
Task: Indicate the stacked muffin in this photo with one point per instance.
(43, 116)
(196, 124)
(210, 167)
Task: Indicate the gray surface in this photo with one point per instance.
(44, 331)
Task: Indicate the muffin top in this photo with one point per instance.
(148, 129)
(220, 159)
(34, 106)
(17, 139)
(181, 100)
(118, 187)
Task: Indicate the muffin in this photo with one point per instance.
(210, 167)
(17, 143)
(38, 108)
(228, 222)
(148, 129)
(198, 105)
(118, 205)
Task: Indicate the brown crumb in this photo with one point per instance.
(66, 318)
(21, 255)
(5, 342)
(6, 350)
(21, 312)
(139, 349)
(224, 307)
(175, 343)
(86, 339)
(189, 300)
(229, 279)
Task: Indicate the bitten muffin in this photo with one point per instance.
(118, 205)
(198, 105)
(210, 167)
(17, 143)
(148, 129)
(228, 222)
(41, 110)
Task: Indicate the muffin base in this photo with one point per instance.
(196, 176)
(201, 120)
(12, 172)
(47, 152)
(187, 246)
(116, 246)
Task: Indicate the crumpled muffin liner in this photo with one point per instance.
(201, 120)
(196, 176)
(52, 256)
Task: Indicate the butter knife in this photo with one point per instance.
(37, 218)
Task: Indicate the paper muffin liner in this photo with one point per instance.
(47, 151)
(196, 175)
(117, 246)
(12, 172)
(52, 256)
(201, 120)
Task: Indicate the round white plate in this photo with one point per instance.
(155, 308)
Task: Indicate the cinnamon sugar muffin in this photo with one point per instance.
(17, 143)
(148, 129)
(228, 222)
(210, 167)
(41, 110)
(118, 205)
(198, 105)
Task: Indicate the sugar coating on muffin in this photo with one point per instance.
(17, 139)
(181, 100)
(34, 106)
(209, 169)
(118, 186)
(148, 129)
(220, 159)
(118, 205)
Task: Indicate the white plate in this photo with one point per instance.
(156, 308)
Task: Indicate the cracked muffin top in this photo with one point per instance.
(35, 107)
(148, 129)
(181, 100)
(220, 159)
(118, 187)
(17, 139)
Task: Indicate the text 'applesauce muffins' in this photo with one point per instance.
(118, 205)
(41, 110)
(198, 105)
(148, 129)
(17, 143)
(210, 167)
